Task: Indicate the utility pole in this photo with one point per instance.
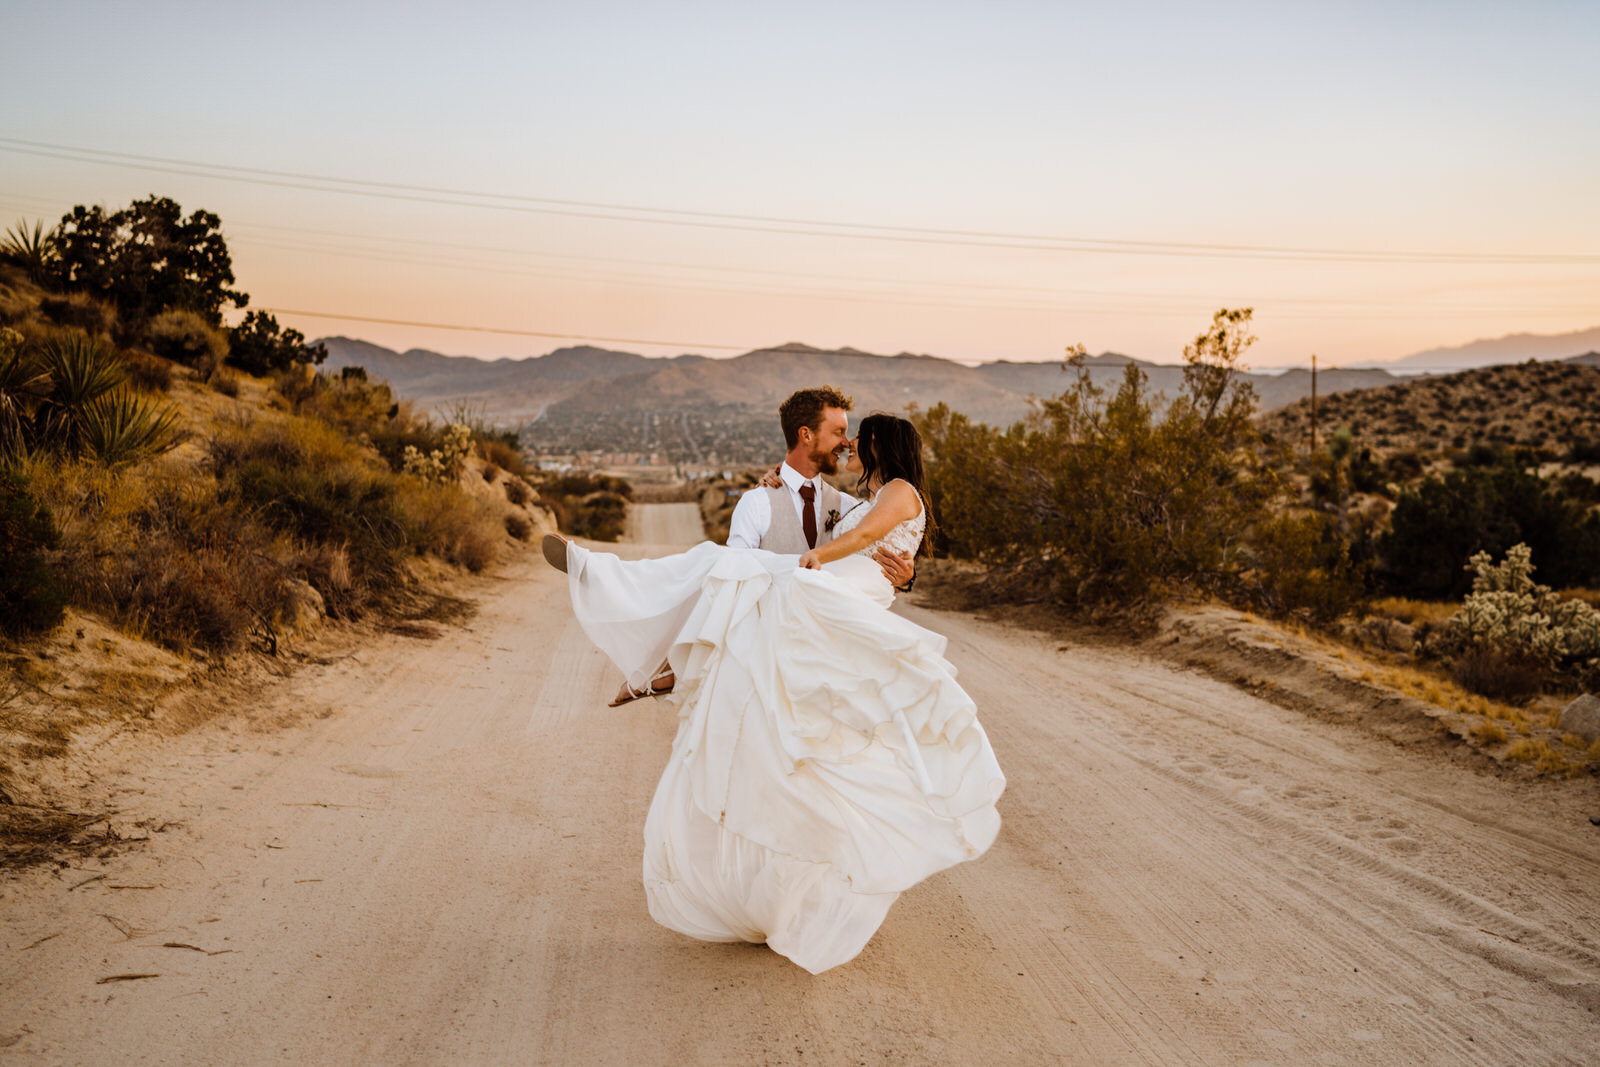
(1313, 403)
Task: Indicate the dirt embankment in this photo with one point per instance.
(438, 861)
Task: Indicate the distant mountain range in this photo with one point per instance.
(719, 411)
(588, 379)
(1513, 348)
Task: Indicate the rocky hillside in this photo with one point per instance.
(1551, 406)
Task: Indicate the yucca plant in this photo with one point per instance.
(32, 248)
(23, 386)
(82, 369)
(123, 427)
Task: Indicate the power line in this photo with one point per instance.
(1022, 301)
(497, 330)
(756, 223)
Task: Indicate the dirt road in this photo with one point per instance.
(444, 868)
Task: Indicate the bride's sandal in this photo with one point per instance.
(629, 694)
(555, 551)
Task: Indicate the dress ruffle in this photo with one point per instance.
(825, 760)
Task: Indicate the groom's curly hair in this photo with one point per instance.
(804, 408)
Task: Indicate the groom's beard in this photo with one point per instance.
(827, 462)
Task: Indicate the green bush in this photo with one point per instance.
(1439, 525)
(356, 521)
(588, 505)
(601, 516)
(1100, 499)
(319, 496)
(259, 346)
(1303, 566)
(32, 599)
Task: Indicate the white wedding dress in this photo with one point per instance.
(825, 759)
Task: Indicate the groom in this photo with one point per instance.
(802, 512)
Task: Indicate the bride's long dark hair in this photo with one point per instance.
(890, 447)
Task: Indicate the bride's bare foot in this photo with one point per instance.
(661, 684)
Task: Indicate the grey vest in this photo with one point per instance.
(784, 533)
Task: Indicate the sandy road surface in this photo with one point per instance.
(445, 869)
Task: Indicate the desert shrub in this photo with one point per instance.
(78, 311)
(1404, 465)
(147, 372)
(588, 505)
(307, 482)
(259, 346)
(442, 518)
(153, 548)
(1517, 629)
(227, 383)
(355, 521)
(601, 516)
(31, 595)
(1302, 565)
(1104, 500)
(361, 409)
(518, 526)
(517, 491)
(1580, 487)
(584, 483)
(185, 337)
(443, 463)
(505, 452)
(1583, 452)
(491, 471)
(1438, 525)
(1498, 674)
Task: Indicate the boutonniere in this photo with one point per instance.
(833, 520)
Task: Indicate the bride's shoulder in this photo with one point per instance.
(901, 496)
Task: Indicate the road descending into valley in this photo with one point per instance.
(439, 863)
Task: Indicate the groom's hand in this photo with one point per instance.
(898, 567)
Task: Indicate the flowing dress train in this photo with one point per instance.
(825, 758)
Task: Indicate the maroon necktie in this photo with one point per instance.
(808, 493)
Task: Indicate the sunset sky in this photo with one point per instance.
(975, 181)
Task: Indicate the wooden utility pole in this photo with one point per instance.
(1313, 403)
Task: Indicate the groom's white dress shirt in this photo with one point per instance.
(752, 516)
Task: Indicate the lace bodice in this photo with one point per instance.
(905, 537)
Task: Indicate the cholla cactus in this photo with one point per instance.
(1510, 612)
(442, 463)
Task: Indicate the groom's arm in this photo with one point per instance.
(899, 567)
(752, 516)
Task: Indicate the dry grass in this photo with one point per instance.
(1414, 612)
(1545, 759)
(1489, 732)
(1444, 693)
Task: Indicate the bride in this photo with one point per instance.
(825, 759)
